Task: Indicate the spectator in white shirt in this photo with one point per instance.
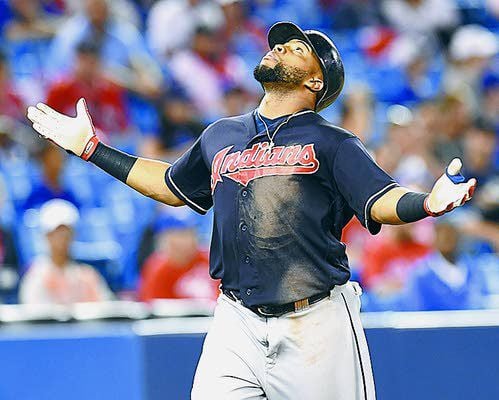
(421, 16)
(56, 278)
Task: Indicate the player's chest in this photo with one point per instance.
(244, 161)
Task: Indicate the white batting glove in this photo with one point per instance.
(450, 191)
(74, 134)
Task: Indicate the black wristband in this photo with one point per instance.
(411, 208)
(114, 162)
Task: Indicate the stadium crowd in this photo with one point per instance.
(422, 87)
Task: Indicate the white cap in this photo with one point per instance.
(473, 41)
(57, 212)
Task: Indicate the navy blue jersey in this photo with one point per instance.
(279, 212)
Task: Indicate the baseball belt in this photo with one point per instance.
(267, 311)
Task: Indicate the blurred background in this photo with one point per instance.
(422, 87)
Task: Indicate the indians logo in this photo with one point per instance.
(262, 160)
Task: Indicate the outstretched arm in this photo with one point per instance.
(400, 205)
(77, 135)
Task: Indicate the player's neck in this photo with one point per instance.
(278, 104)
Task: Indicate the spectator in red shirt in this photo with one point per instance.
(105, 99)
(388, 260)
(179, 267)
(11, 103)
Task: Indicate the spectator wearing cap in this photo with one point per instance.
(471, 50)
(179, 267)
(105, 99)
(444, 279)
(56, 278)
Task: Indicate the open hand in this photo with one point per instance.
(73, 134)
(450, 191)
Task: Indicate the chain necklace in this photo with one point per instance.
(271, 138)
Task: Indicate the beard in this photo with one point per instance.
(281, 74)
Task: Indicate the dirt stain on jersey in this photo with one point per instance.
(275, 206)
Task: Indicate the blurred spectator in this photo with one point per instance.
(9, 261)
(50, 186)
(444, 280)
(11, 103)
(493, 7)
(426, 17)
(412, 57)
(179, 267)
(180, 127)
(181, 17)
(480, 145)
(453, 121)
(238, 100)
(407, 136)
(388, 260)
(357, 112)
(56, 278)
(353, 14)
(214, 68)
(490, 98)
(304, 13)
(122, 48)
(470, 51)
(12, 148)
(125, 10)
(243, 34)
(106, 100)
(9, 266)
(29, 21)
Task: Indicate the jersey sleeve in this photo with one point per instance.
(360, 180)
(189, 179)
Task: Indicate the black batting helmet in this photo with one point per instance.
(326, 52)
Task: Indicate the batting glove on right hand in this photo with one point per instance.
(74, 134)
(450, 191)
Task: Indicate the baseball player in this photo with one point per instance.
(283, 183)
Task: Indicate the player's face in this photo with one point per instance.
(290, 63)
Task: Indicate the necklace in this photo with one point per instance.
(271, 138)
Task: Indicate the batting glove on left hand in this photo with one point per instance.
(450, 191)
(74, 134)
